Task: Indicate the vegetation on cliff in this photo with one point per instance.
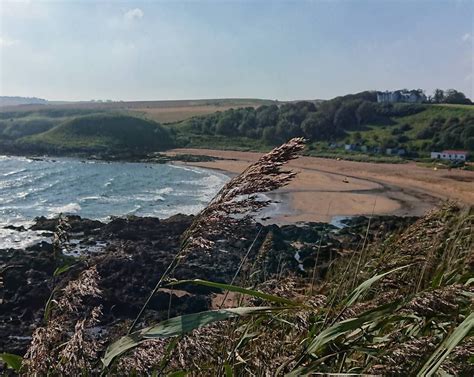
(352, 119)
(103, 132)
(356, 119)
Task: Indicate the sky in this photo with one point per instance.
(285, 50)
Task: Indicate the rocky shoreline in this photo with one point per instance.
(112, 156)
(132, 253)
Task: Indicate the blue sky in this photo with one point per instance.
(121, 50)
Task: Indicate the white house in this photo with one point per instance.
(408, 96)
(451, 155)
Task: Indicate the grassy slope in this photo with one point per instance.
(103, 131)
(41, 127)
(418, 122)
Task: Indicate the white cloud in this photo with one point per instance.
(7, 42)
(133, 15)
(466, 37)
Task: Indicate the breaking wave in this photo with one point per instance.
(31, 188)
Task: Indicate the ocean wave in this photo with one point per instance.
(90, 198)
(14, 172)
(67, 208)
(163, 191)
(134, 210)
(109, 182)
(11, 239)
(95, 191)
(131, 198)
(197, 170)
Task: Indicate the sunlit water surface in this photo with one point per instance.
(97, 190)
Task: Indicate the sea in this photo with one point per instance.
(96, 190)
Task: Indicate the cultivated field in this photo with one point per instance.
(160, 111)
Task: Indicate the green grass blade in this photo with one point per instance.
(13, 361)
(365, 286)
(177, 326)
(434, 362)
(61, 270)
(340, 328)
(234, 288)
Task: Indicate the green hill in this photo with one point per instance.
(103, 132)
(327, 125)
(353, 119)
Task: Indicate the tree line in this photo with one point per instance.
(328, 120)
(450, 96)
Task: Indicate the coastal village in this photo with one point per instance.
(402, 96)
(445, 155)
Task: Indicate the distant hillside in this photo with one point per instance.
(168, 111)
(16, 101)
(243, 124)
(356, 119)
(102, 132)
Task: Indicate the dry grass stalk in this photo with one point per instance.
(82, 350)
(234, 203)
(405, 358)
(53, 349)
(232, 206)
(61, 235)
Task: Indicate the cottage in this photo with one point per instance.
(349, 147)
(450, 155)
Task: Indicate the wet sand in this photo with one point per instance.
(325, 188)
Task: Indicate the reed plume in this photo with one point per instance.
(232, 207)
(53, 348)
(238, 199)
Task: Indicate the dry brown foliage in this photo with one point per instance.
(66, 344)
(237, 200)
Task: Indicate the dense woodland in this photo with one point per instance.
(340, 119)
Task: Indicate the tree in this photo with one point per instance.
(269, 135)
(317, 126)
(345, 116)
(227, 124)
(366, 112)
(438, 96)
(453, 96)
(248, 122)
(356, 137)
(469, 143)
(267, 116)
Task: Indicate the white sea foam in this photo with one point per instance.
(67, 208)
(163, 191)
(100, 190)
(109, 182)
(188, 168)
(90, 198)
(14, 172)
(12, 239)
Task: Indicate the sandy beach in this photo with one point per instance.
(325, 188)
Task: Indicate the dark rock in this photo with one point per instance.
(20, 228)
(138, 250)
